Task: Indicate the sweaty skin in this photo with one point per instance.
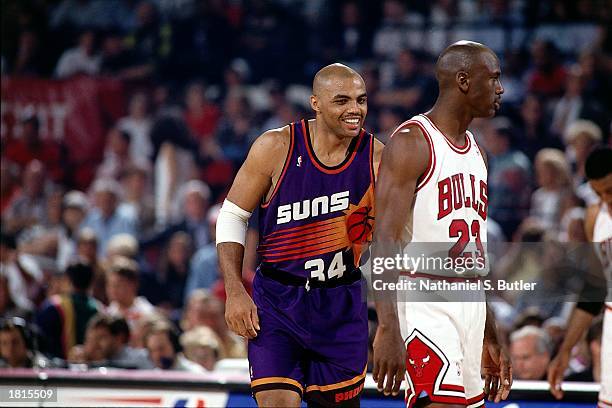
(468, 76)
(339, 97)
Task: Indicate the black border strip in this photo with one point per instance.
(276, 386)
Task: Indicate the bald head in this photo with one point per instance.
(339, 100)
(469, 79)
(326, 75)
(457, 57)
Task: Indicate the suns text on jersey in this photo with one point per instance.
(453, 195)
(304, 209)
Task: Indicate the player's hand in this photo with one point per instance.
(556, 369)
(497, 371)
(241, 314)
(389, 360)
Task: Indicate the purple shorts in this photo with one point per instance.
(314, 342)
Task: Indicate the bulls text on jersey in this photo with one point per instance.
(453, 195)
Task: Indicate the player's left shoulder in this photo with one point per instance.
(378, 146)
(377, 150)
(483, 154)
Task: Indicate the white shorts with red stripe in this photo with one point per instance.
(605, 392)
(443, 351)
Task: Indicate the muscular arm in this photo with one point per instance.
(578, 324)
(254, 180)
(594, 290)
(261, 169)
(403, 161)
(590, 302)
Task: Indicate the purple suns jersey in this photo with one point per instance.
(319, 219)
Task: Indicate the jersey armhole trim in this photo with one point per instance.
(372, 172)
(285, 167)
(431, 162)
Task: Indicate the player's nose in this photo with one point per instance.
(354, 108)
(500, 88)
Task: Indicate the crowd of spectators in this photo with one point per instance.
(124, 273)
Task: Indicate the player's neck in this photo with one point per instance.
(452, 120)
(329, 148)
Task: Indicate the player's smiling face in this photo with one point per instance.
(343, 105)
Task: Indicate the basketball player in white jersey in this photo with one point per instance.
(432, 188)
(598, 229)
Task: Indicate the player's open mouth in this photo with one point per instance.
(352, 122)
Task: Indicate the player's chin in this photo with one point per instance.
(490, 113)
(351, 130)
(354, 134)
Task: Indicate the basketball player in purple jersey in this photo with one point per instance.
(436, 346)
(313, 181)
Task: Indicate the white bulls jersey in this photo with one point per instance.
(448, 220)
(450, 204)
(602, 239)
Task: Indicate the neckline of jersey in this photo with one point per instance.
(351, 151)
(459, 149)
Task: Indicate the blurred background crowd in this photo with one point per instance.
(109, 259)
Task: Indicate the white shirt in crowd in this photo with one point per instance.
(141, 148)
(545, 206)
(140, 307)
(17, 286)
(76, 61)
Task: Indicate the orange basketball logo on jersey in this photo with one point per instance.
(359, 225)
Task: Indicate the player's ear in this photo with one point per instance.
(463, 81)
(314, 103)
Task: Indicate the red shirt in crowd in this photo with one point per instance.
(47, 152)
(547, 84)
(203, 125)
